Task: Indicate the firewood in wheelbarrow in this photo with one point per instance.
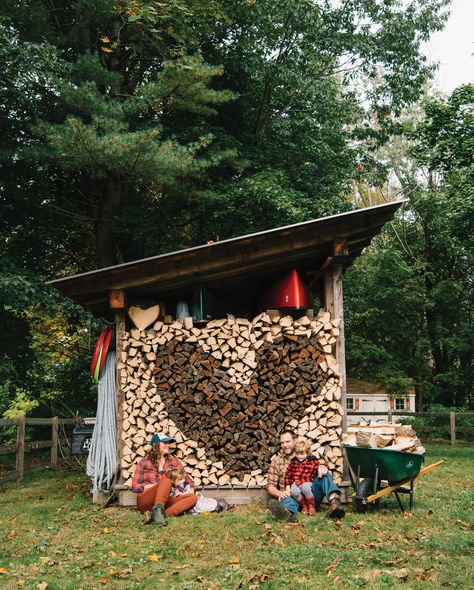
(382, 440)
(366, 439)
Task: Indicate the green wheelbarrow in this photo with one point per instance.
(368, 468)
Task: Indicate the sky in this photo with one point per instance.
(453, 48)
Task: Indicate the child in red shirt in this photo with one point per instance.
(299, 477)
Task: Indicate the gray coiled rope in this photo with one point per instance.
(102, 459)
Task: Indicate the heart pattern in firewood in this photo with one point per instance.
(226, 390)
(238, 424)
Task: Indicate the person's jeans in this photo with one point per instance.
(305, 489)
(322, 487)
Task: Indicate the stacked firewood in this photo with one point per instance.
(396, 437)
(226, 390)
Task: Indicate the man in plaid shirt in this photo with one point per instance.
(281, 504)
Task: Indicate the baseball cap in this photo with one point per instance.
(161, 437)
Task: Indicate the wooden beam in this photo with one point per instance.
(117, 299)
(334, 304)
(340, 247)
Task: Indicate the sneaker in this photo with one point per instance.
(280, 512)
(335, 508)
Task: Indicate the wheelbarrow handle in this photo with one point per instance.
(389, 489)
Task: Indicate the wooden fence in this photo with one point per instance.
(21, 446)
(453, 429)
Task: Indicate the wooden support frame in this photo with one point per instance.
(333, 303)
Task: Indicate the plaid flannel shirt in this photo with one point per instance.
(147, 473)
(277, 470)
(299, 472)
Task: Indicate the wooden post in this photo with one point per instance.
(333, 300)
(452, 425)
(54, 442)
(333, 296)
(20, 449)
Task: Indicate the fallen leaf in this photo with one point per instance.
(3, 571)
(21, 582)
(105, 40)
(153, 557)
(106, 530)
(330, 568)
(277, 540)
(112, 554)
(42, 586)
(401, 574)
(235, 559)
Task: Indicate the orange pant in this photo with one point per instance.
(159, 493)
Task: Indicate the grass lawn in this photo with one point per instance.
(52, 536)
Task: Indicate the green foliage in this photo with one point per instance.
(21, 405)
(410, 298)
(134, 127)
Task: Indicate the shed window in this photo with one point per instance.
(349, 403)
(399, 403)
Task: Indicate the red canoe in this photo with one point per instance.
(100, 352)
(290, 292)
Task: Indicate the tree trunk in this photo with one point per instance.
(111, 197)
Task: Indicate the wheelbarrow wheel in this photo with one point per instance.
(365, 489)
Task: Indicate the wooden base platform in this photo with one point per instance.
(232, 495)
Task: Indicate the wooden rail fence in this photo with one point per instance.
(453, 429)
(21, 446)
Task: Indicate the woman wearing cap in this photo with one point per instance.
(154, 487)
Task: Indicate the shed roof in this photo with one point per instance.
(251, 259)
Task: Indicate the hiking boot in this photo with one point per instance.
(335, 508)
(303, 506)
(280, 512)
(311, 506)
(147, 517)
(158, 515)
